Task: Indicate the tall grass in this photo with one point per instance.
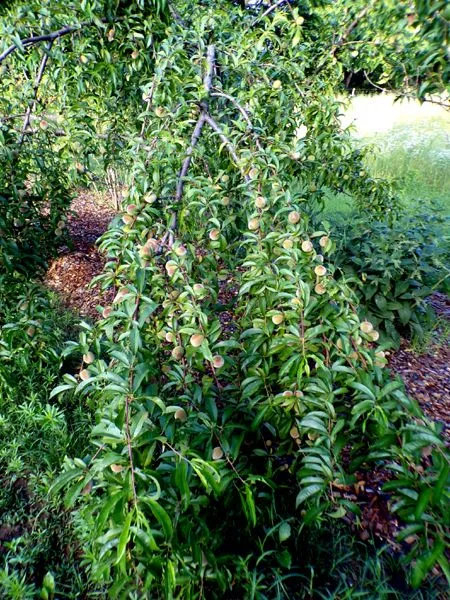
(409, 142)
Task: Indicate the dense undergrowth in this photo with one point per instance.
(36, 534)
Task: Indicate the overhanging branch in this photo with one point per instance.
(37, 83)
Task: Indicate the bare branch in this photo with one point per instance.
(210, 64)
(32, 104)
(244, 113)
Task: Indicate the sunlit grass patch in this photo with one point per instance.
(410, 143)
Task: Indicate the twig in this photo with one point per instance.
(405, 94)
(225, 140)
(49, 37)
(207, 83)
(130, 450)
(187, 161)
(243, 112)
(32, 105)
(270, 9)
(349, 29)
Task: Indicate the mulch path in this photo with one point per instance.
(427, 379)
(72, 271)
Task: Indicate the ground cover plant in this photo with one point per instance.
(231, 376)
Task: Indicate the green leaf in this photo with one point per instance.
(284, 532)
(307, 493)
(161, 515)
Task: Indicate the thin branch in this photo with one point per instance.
(270, 9)
(49, 37)
(231, 149)
(187, 161)
(405, 94)
(207, 83)
(243, 112)
(350, 28)
(32, 104)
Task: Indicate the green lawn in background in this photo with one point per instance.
(409, 143)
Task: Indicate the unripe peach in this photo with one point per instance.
(198, 288)
(43, 124)
(149, 247)
(225, 178)
(218, 361)
(170, 337)
(106, 312)
(294, 217)
(276, 85)
(294, 433)
(253, 224)
(196, 340)
(88, 358)
(253, 173)
(131, 209)
(116, 468)
(128, 219)
(171, 268)
(85, 375)
(288, 393)
(31, 330)
(58, 232)
(178, 353)
(160, 112)
(320, 270)
(288, 244)
(320, 289)
(217, 453)
(225, 201)
(180, 250)
(366, 327)
(277, 319)
(324, 241)
(180, 415)
(374, 335)
(260, 202)
(134, 54)
(150, 198)
(307, 246)
(214, 234)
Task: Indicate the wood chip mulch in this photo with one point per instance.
(427, 379)
(71, 273)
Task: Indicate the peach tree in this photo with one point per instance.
(236, 391)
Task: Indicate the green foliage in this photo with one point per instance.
(216, 449)
(35, 433)
(397, 45)
(396, 267)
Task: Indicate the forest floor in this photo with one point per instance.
(425, 371)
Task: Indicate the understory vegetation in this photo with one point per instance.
(226, 425)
